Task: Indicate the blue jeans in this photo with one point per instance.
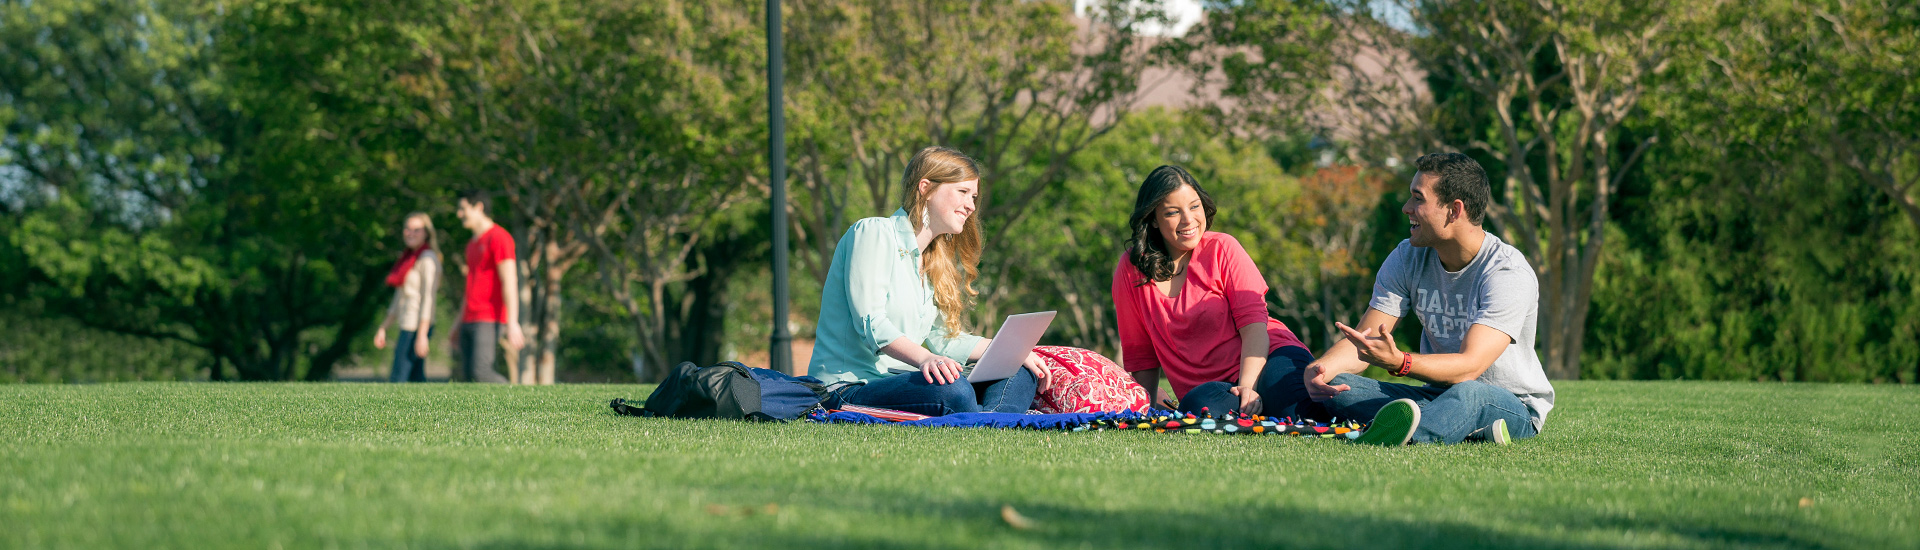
(912, 392)
(1448, 415)
(1282, 394)
(408, 367)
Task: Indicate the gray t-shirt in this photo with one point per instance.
(1496, 289)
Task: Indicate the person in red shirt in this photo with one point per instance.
(492, 284)
(1191, 304)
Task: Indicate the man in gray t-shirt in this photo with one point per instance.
(1496, 289)
(1477, 300)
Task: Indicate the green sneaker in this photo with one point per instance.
(1393, 425)
(1500, 435)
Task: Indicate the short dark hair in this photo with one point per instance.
(481, 197)
(1458, 177)
(1145, 248)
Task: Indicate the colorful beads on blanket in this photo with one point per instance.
(1162, 421)
(1170, 422)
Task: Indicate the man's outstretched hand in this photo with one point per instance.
(1375, 345)
(1320, 383)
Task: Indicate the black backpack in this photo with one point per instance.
(729, 390)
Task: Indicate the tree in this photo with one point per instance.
(1749, 247)
(1068, 254)
(1835, 73)
(1327, 74)
(1019, 86)
(1271, 61)
(614, 128)
(1555, 82)
(1326, 237)
(197, 172)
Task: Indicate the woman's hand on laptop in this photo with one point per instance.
(1038, 367)
(939, 369)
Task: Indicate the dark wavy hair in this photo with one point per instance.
(1145, 248)
(1458, 177)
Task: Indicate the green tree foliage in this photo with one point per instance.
(1271, 58)
(1541, 91)
(616, 129)
(1068, 256)
(1299, 228)
(1311, 80)
(1019, 86)
(278, 144)
(1773, 238)
(200, 172)
(221, 182)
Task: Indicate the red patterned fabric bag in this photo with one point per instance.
(1085, 382)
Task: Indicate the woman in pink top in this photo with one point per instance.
(1191, 304)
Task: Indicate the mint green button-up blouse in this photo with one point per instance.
(875, 294)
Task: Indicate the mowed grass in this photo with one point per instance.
(1659, 465)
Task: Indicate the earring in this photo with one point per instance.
(924, 218)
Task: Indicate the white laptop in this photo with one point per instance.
(1008, 352)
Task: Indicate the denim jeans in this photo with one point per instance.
(1448, 415)
(408, 367)
(912, 392)
(1281, 392)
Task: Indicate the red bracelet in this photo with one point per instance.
(1406, 364)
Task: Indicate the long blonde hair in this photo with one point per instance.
(951, 262)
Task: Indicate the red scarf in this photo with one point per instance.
(399, 274)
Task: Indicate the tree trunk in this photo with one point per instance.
(1554, 335)
(700, 327)
(649, 332)
(549, 325)
(702, 320)
(529, 300)
(541, 297)
(216, 372)
(1561, 288)
(1554, 163)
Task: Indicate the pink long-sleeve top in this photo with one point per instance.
(1194, 338)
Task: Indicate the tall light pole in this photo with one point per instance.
(780, 356)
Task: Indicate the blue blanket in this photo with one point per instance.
(1065, 421)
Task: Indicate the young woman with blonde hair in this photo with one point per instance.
(890, 333)
(414, 279)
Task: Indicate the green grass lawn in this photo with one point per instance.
(1663, 465)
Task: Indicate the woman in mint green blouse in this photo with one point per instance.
(889, 333)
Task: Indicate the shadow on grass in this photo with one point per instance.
(974, 524)
(1787, 533)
